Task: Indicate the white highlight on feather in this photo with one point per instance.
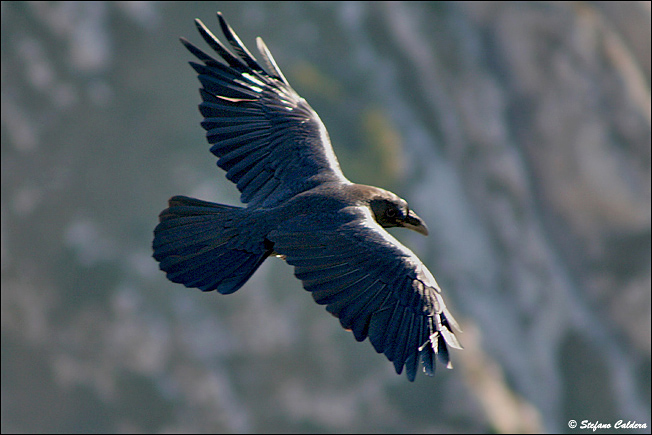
(258, 86)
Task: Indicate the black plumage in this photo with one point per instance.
(300, 206)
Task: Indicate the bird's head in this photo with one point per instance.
(393, 211)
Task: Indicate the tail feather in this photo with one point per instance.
(197, 244)
(185, 239)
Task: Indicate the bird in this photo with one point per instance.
(299, 206)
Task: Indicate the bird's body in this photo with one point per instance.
(302, 208)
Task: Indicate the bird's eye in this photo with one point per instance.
(391, 212)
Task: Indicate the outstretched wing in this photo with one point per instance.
(376, 286)
(269, 140)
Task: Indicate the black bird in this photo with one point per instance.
(300, 206)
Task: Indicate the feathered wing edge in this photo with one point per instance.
(373, 289)
(246, 62)
(267, 138)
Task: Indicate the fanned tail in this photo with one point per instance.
(199, 244)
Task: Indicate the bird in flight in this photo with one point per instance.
(300, 207)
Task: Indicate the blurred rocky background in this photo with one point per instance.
(520, 131)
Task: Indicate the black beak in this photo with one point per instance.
(414, 222)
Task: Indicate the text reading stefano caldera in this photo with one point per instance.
(595, 425)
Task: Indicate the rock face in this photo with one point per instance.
(520, 132)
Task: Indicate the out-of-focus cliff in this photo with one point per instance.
(519, 131)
